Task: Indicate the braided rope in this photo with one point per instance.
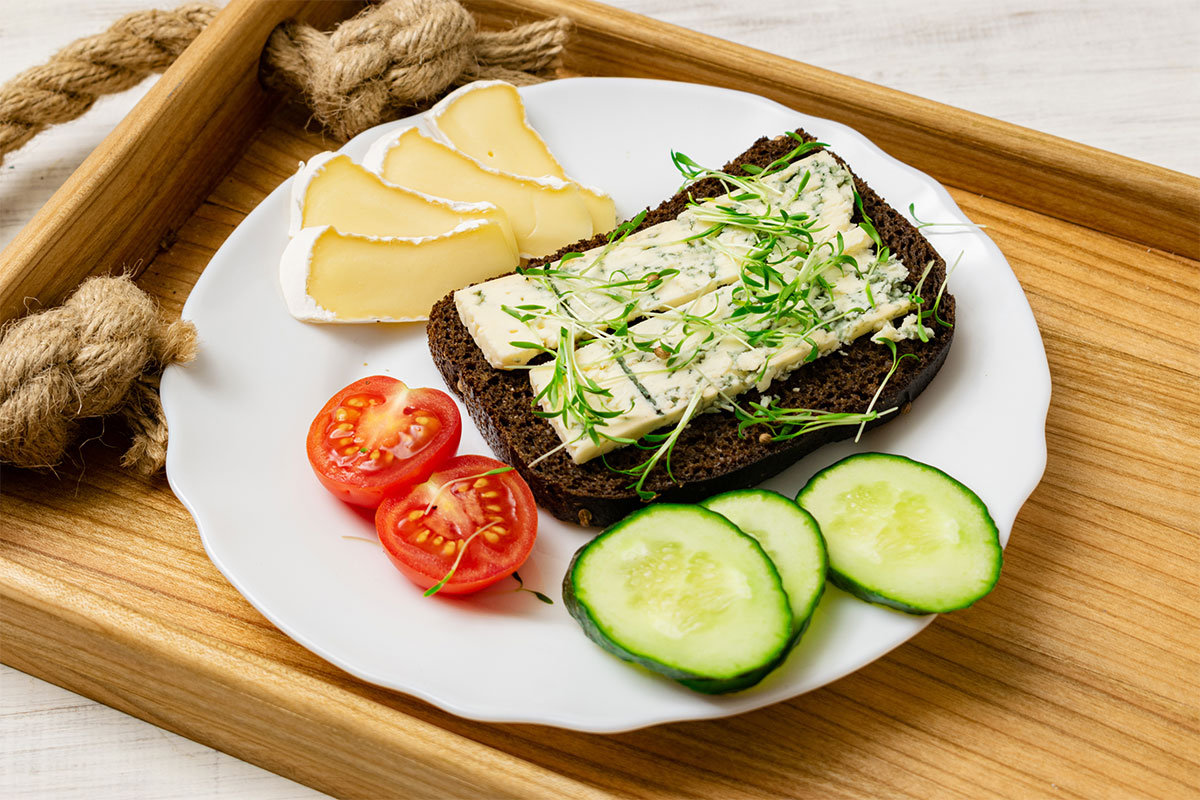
(393, 56)
(118, 59)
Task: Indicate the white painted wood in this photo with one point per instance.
(1105, 73)
(59, 745)
(1122, 77)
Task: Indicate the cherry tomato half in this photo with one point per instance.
(377, 436)
(463, 522)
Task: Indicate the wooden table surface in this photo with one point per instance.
(1095, 76)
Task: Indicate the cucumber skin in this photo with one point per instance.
(580, 612)
(864, 592)
(753, 678)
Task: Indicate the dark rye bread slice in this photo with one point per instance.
(710, 456)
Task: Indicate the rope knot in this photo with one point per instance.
(400, 55)
(98, 353)
(102, 351)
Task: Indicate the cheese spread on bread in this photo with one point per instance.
(662, 324)
(719, 364)
(661, 266)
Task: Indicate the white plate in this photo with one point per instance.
(239, 415)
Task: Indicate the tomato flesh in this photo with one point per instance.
(377, 436)
(478, 526)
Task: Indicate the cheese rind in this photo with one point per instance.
(332, 190)
(486, 120)
(331, 277)
(600, 207)
(546, 213)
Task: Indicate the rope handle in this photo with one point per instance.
(397, 55)
(102, 351)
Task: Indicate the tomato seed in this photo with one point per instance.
(491, 536)
(492, 507)
(437, 540)
(449, 549)
(499, 529)
(422, 536)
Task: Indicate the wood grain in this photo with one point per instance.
(122, 206)
(1075, 678)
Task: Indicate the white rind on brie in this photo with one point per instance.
(376, 158)
(434, 115)
(300, 183)
(327, 276)
(545, 212)
(496, 132)
(293, 277)
(310, 170)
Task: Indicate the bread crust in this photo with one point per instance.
(710, 455)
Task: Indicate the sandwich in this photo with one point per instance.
(764, 310)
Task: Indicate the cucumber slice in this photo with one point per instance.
(681, 591)
(904, 534)
(792, 540)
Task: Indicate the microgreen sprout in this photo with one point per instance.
(896, 359)
(922, 225)
(866, 224)
(569, 393)
(789, 423)
(522, 588)
(432, 590)
(665, 445)
(364, 539)
(448, 484)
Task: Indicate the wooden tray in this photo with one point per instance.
(1076, 677)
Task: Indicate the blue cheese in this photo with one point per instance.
(703, 350)
(659, 267)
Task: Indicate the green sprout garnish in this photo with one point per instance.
(866, 224)
(787, 292)
(433, 500)
(665, 445)
(522, 588)
(437, 587)
(890, 345)
(788, 423)
(922, 225)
